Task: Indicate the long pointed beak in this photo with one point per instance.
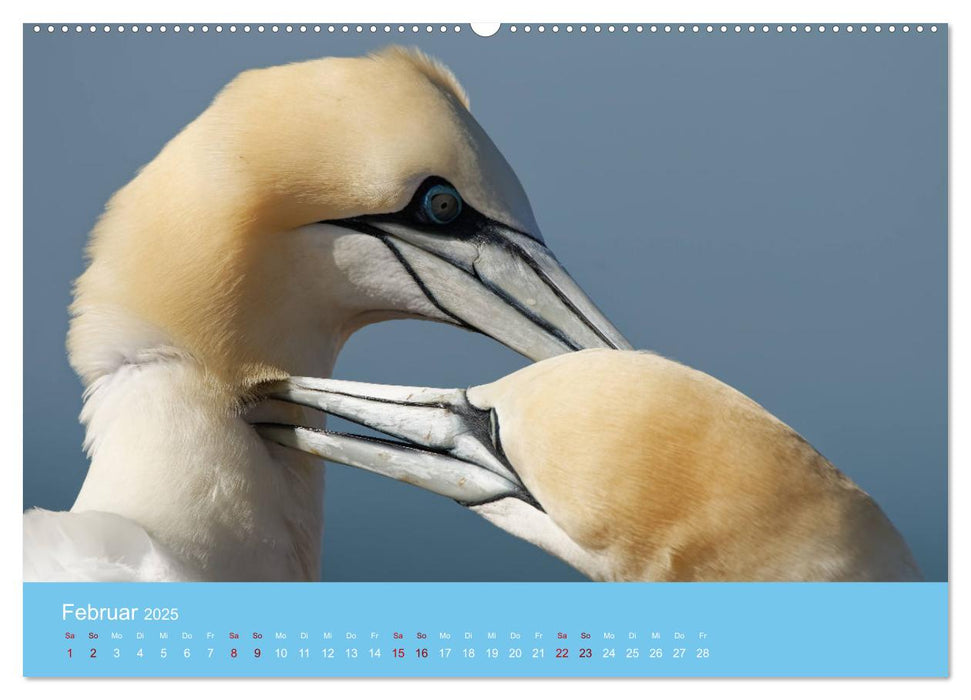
(450, 446)
(444, 475)
(504, 284)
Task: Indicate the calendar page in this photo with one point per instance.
(624, 345)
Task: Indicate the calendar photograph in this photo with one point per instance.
(485, 350)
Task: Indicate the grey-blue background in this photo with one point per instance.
(770, 209)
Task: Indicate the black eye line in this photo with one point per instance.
(473, 222)
(414, 213)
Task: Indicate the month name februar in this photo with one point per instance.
(93, 613)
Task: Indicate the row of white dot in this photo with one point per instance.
(737, 28)
(289, 28)
(401, 29)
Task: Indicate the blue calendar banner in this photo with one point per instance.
(485, 629)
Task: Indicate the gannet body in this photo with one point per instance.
(628, 466)
(307, 201)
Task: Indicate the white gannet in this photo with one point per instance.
(305, 202)
(626, 465)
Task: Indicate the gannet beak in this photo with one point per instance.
(488, 277)
(448, 446)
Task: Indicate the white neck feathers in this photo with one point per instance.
(170, 451)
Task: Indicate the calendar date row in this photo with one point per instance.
(395, 653)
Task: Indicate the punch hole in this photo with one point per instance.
(485, 29)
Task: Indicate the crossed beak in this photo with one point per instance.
(443, 443)
(481, 275)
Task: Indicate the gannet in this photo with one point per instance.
(305, 202)
(626, 465)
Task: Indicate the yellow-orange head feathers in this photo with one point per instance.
(295, 209)
(204, 249)
(667, 473)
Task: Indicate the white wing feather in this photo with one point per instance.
(93, 546)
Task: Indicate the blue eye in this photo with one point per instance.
(442, 204)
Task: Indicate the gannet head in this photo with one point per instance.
(309, 200)
(624, 464)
